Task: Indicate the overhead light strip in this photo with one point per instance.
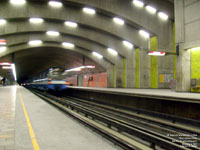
(53, 33)
(163, 16)
(66, 44)
(17, 2)
(144, 33)
(2, 49)
(118, 20)
(6, 67)
(128, 44)
(55, 4)
(151, 9)
(2, 21)
(71, 24)
(79, 68)
(112, 51)
(14, 71)
(36, 20)
(89, 11)
(97, 54)
(35, 42)
(138, 3)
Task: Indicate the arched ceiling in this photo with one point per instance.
(94, 32)
(36, 60)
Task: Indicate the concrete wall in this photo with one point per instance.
(187, 23)
(95, 80)
(98, 35)
(192, 20)
(89, 80)
(73, 80)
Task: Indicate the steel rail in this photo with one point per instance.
(154, 138)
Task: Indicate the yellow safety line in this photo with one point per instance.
(31, 132)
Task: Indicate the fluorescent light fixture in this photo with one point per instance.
(89, 66)
(151, 9)
(36, 20)
(5, 63)
(156, 53)
(195, 48)
(79, 68)
(53, 33)
(118, 20)
(112, 51)
(70, 45)
(35, 42)
(138, 3)
(89, 11)
(55, 4)
(18, 2)
(144, 33)
(14, 71)
(97, 54)
(163, 15)
(2, 42)
(71, 24)
(128, 44)
(2, 49)
(2, 21)
(6, 67)
(74, 69)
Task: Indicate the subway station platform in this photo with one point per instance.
(27, 123)
(165, 93)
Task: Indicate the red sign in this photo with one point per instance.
(156, 53)
(2, 42)
(5, 63)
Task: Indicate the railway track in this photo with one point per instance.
(127, 129)
(137, 117)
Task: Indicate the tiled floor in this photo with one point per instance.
(7, 117)
(53, 129)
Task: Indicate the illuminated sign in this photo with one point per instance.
(156, 53)
(2, 42)
(5, 63)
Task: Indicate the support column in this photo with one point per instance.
(195, 65)
(110, 77)
(183, 70)
(130, 68)
(183, 60)
(174, 47)
(124, 72)
(137, 69)
(145, 68)
(114, 76)
(154, 62)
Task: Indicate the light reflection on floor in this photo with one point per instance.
(7, 116)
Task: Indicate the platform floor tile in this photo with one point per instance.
(53, 129)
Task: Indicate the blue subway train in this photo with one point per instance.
(52, 79)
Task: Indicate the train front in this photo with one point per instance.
(56, 81)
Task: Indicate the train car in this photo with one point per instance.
(52, 79)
